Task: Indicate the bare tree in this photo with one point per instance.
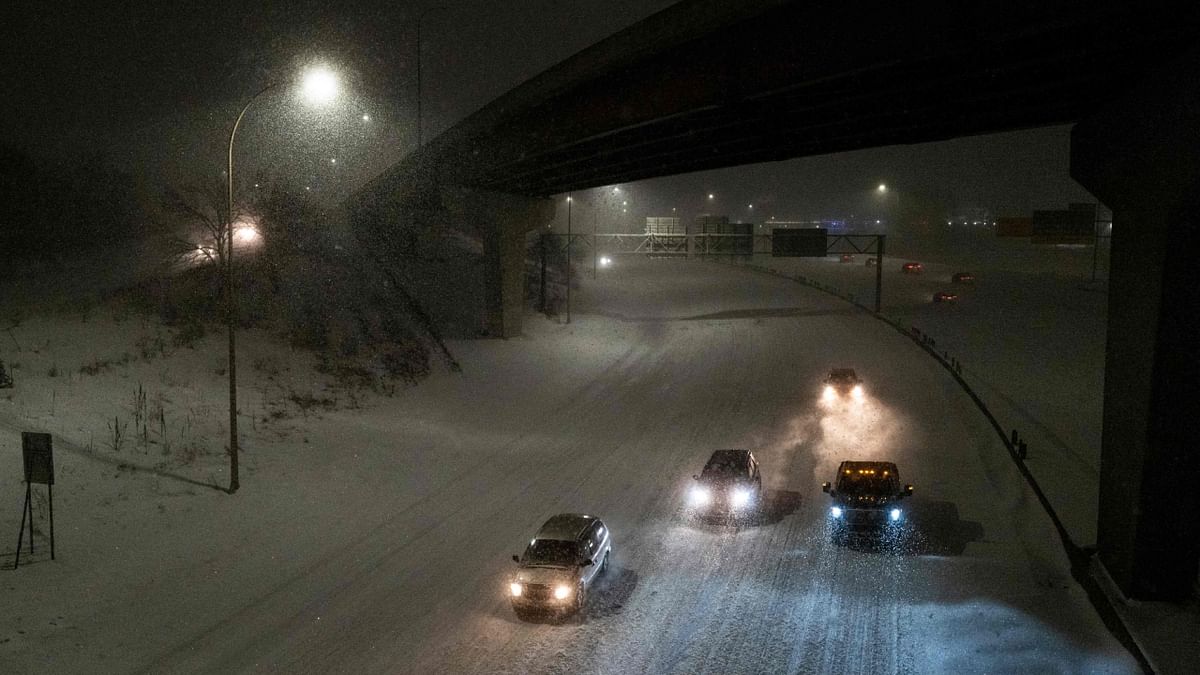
(200, 233)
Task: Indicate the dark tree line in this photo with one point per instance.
(49, 210)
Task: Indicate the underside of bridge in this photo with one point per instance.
(710, 83)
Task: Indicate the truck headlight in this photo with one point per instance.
(700, 496)
(829, 394)
(835, 511)
(515, 589)
(857, 392)
(740, 497)
(562, 592)
(895, 515)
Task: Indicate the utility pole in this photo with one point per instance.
(595, 243)
(420, 18)
(569, 258)
(879, 272)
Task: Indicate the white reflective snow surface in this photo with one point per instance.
(666, 360)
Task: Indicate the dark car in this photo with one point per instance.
(963, 278)
(943, 296)
(912, 268)
(560, 564)
(730, 485)
(867, 500)
(842, 382)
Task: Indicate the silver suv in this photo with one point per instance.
(560, 565)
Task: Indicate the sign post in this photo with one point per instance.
(38, 455)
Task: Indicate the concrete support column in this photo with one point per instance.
(1141, 156)
(502, 221)
(504, 280)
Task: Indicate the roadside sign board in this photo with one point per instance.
(39, 457)
(809, 242)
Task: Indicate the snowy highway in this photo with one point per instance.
(377, 535)
(665, 361)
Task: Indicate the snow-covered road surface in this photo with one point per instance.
(397, 560)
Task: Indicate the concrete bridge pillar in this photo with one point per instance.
(398, 213)
(1141, 156)
(502, 222)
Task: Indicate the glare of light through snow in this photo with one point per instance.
(849, 429)
(246, 235)
(320, 86)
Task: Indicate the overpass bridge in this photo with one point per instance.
(706, 84)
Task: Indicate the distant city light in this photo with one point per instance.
(333, 160)
(366, 118)
(882, 187)
(710, 195)
(749, 206)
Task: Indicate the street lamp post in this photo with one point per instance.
(569, 200)
(883, 190)
(320, 85)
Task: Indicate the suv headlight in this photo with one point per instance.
(562, 592)
(835, 511)
(515, 589)
(894, 514)
(700, 495)
(857, 392)
(829, 394)
(740, 497)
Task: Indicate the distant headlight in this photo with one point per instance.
(895, 514)
(515, 589)
(740, 498)
(562, 592)
(605, 261)
(836, 511)
(857, 392)
(829, 393)
(700, 496)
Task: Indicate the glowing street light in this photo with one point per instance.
(882, 187)
(711, 196)
(319, 86)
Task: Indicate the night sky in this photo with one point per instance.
(156, 87)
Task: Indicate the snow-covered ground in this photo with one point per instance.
(373, 534)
